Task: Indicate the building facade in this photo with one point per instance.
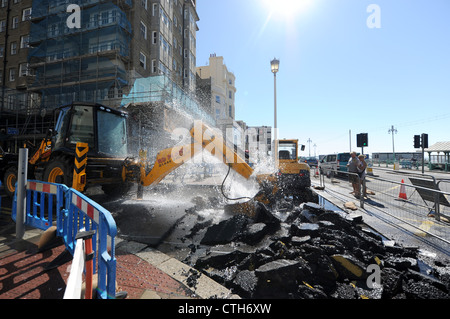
(59, 51)
(117, 42)
(217, 90)
(15, 73)
(258, 141)
(222, 87)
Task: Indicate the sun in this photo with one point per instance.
(286, 9)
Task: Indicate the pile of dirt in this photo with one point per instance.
(309, 252)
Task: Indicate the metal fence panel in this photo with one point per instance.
(413, 199)
(73, 211)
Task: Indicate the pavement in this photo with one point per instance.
(27, 272)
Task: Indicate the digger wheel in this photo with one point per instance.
(9, 181)
(59, 171)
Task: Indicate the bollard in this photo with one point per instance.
(21, 192)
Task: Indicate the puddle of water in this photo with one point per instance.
(328, 205)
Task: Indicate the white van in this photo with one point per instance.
(332, 164)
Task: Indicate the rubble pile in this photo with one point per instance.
(310, 252)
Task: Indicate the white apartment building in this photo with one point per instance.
(223, 89)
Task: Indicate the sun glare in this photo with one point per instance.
(286, 9)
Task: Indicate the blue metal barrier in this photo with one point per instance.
(74, 211)
(85, 213)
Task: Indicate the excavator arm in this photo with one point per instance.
(204, 139)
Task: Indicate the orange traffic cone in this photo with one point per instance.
(402, 194)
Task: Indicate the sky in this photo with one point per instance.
(346, 67)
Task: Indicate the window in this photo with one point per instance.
(2, 25)
(104, 18)
(13, 48)
(230, 95)
(217, 99)
(144, 4)
(154, 68)
(154, 37)
(143, 30)
(155, 9)
(15, 22)
(2, 50)
(12, 75)
(23, 69)
(143, 60)
(24, 40)
(112, 133)
(111, 92)
(82, 128)
(26, 14)
(287, 151)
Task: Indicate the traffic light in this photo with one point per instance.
(425, 140)
(362, 140)
(417, 143)
(421, 141)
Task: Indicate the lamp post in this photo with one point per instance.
(309, 141)
(393, 131)
(275, 66)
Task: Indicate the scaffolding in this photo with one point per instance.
(80, 64)
(162, 90)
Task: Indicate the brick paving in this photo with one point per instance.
(24, 274)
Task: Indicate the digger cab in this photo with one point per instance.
(288, 156)
(103, 129)
(293, 175)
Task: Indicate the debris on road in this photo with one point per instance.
(310, 252)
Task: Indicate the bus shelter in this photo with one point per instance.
(439, 156)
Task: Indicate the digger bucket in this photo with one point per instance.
(247, 208)
(250, 208)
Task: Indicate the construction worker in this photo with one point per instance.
(352, 166)
(362, 172)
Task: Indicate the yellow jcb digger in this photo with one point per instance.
(89, 147)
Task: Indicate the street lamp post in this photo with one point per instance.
(393, 131)
(309, 141)
(275, 66)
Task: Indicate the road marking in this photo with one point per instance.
(426, 227)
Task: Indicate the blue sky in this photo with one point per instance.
(336, 73)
